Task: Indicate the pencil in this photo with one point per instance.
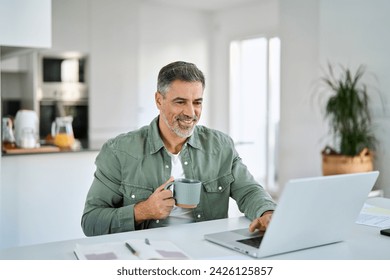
(132, 250)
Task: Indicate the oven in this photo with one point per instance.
(63, 91)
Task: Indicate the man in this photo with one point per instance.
(132, 169)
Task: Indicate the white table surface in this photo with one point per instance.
(364, 242)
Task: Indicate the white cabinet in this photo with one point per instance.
(13, 64)
(70, 25)
(114, 41)
(25, 23)
(42, 197)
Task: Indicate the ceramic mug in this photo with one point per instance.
(186, 192)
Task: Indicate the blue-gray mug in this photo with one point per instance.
(186, 192)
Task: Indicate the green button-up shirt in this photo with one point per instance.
(131, 166)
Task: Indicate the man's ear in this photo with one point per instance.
(158, 98)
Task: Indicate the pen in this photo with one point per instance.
(134, 252)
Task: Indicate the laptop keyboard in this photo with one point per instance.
(254, 241)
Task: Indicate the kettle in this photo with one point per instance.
(8, 133)
(26, 129)
(62, 132)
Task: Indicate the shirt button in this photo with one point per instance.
(199, 216)
(185, 163)
(220, 188)
(157, 221)
(167, 166)
(132, 196)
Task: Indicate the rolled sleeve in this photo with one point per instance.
(104, 212)
(252, 199)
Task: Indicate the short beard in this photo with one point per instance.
(175, 128)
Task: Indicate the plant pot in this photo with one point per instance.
(334, 163)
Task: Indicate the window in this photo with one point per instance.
(254, 105)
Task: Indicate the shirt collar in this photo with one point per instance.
(156, 143)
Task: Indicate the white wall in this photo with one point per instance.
(354, 33)
(168, 34)
(314, 32)
(70, 25)
(300, 125)
(114, 37)
(25, 23)
(257, 19)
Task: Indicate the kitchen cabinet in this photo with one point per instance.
(42, 197)
(25, 23)
(13, 64)
(70, 25)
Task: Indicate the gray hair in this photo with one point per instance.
(179, 70)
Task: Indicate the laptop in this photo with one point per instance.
(311, 212)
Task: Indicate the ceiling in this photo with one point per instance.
(207, 5)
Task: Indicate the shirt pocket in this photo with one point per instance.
(218, 185)
(216, 195)
(133, 194)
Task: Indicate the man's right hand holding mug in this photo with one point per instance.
(158, 206)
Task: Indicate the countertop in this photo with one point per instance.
(46, 149)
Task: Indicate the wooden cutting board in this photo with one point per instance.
(42, 149)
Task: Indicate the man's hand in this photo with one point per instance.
(262, 222)
(158, 206)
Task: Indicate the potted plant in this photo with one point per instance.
(348, 114)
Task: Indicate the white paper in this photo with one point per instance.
(374, 216)
(156, 249)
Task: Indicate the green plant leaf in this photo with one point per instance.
(347, 111)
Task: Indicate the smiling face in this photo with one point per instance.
(180, 109)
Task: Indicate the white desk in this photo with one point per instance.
(363, 243)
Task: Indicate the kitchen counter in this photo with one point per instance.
(44, 150)
(51, 149)
(37, 188)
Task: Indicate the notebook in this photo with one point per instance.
(132, 249)
(311, 212)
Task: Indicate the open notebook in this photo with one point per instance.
(133, 249)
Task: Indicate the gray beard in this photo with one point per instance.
(176, 129)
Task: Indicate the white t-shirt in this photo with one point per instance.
(178, 215)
